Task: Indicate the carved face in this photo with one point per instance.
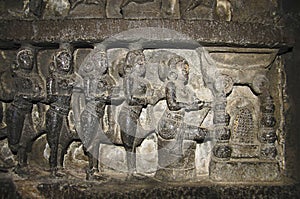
(183, 71)
(135, 61)
(101, 63)
(25, 59)
(89, 66)
(63, 61)
(140, 66)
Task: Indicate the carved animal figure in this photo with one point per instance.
(193, 4)
(222, 8)
(74, 3)
(126, 2)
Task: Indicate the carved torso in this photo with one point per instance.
(59, 90)
(28, 89)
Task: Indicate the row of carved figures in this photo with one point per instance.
(222, 8)
(22, 87)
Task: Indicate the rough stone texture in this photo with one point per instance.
(96, 30)
(148, 189)
(244, 171)
(82, 32)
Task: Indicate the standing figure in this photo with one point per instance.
(136, 89)
(60, 84)
(98, 88)
(27, 88)
(180, 99)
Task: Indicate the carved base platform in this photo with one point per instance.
(244, 171)
(176, 167)
(149, 188)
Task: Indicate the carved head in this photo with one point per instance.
(101, 62)
(25, 59)
(179, 69)
(97, 63)
(63, 61)
(135, 62)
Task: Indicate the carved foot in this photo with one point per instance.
(135, 176)
(57, 173)
(92, 176)
(22, 171)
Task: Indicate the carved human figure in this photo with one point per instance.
(180, 99)
(59, 84)
(137, 93)
(98, 90)
(27, 88)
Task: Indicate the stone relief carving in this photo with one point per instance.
(250, 108)
(266, 12)
(59, 86)
(138, 104)
(177, 102)
(22, 86)
(206, 9)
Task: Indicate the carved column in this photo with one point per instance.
(247, 151)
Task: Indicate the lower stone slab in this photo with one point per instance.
(244, 171)
(140, 188)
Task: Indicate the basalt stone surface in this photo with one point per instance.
(96, 30)
(147, 98)
(148, 189)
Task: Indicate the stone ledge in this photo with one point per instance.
(115, 188)
(96, 30)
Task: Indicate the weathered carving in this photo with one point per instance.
(243, 128)
(136, 90)
(172, 129)
(98, 88)
(204, 9)
(251, 109)
(222, 151)
(25, 88)
(36, 7)
(268, 130)
(197, 9)
(224, 10)
(60, 85)
(124, 95)
(87, 8)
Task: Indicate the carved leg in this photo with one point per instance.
(64, 140)
(27, 139)
(53, 127)
(128, 142)
(131, 159)
(90, 124)
(2, 124)
(16, 119)
(179, 142)
(128, 127)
